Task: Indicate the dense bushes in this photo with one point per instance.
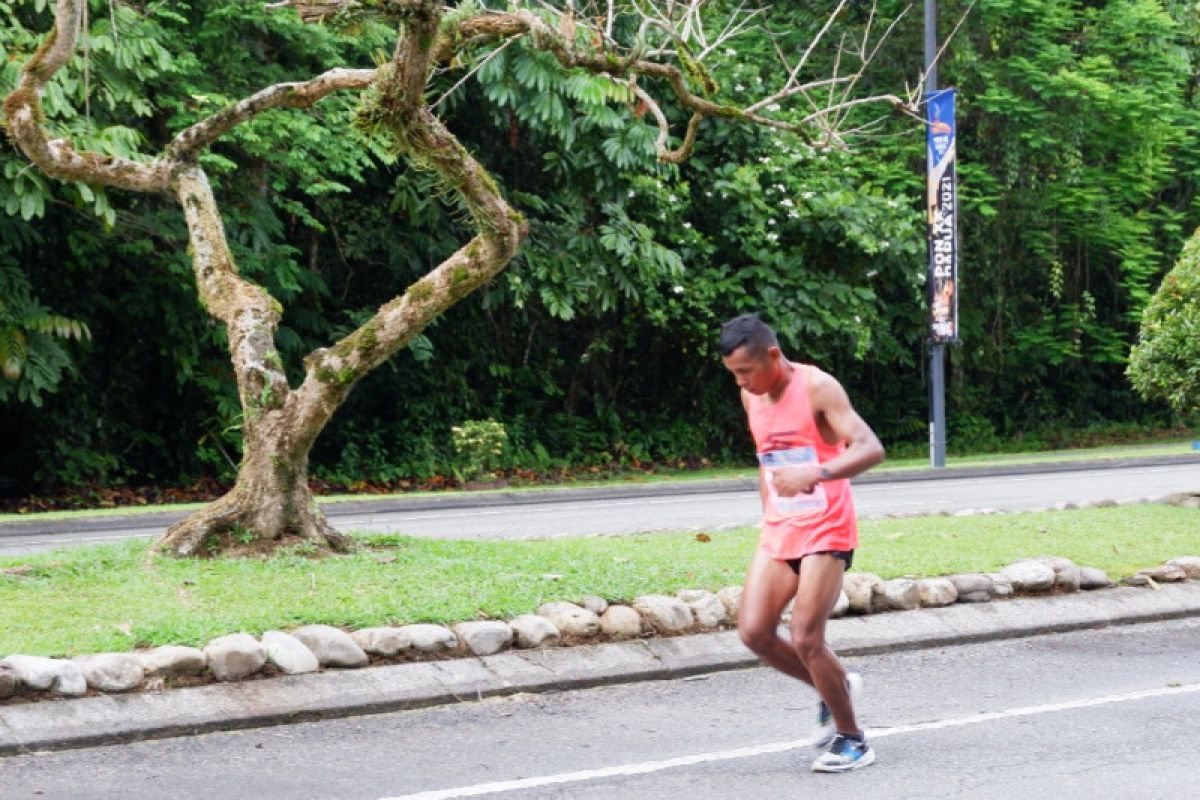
(1165, 363)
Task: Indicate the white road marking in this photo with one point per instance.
(780, 747)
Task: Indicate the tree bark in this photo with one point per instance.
(270, 506)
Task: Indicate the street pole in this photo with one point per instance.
(937, 349)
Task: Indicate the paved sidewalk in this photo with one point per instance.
(111, 719)
(673, 488)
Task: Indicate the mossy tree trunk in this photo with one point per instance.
(270, 503)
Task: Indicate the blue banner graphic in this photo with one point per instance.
(943, 218)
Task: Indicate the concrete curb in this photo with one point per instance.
(113, 719)
(159, 521)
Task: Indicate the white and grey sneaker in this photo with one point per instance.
(844, 754)
(824, 732)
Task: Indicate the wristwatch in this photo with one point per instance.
(826, 475)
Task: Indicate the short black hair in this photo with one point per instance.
(748, 331)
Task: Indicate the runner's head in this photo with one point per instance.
(751, 352)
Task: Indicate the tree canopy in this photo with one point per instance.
(1078, 173)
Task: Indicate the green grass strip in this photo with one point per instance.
(113, 598)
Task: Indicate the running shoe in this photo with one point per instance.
(844, 755)
(825, 731)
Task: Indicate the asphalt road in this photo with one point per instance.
(1107, 713)
(709, 511)
(703, 511)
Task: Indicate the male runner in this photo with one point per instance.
(810, 441)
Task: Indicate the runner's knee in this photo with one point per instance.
(756, 635)
(808, 642)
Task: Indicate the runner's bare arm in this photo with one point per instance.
(837, 417)
(831, 405)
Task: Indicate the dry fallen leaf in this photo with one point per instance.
(551, 576)
(703, 537)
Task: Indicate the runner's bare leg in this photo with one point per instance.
(769, 586)
(820, 582)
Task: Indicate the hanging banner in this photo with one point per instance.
(943, 218)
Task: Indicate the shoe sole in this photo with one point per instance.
(867, 760)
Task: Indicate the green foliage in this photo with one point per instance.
(479, 445)
(1079, 177)
(1077, 131)
(1165, 362)
(33, 358)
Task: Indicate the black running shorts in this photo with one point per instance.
(844, 555)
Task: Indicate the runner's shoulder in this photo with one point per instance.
(823, 388)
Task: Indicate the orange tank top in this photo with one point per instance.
(785, 434)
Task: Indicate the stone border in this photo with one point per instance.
(114, 719)
(240, 656)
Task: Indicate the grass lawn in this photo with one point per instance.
(1181, 447)
(113, 598)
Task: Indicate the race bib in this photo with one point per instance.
(797, 505)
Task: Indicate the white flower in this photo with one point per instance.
(807, 195)
(672, 199)
(770, 222)
(871, 273)
(688, 225)
(708, 194)
(787, 202)
(886, 245)
(677, 289)
(857, 318)
(631, 192)
(772, 237)
(739, 88)
(729, 51)
(773, 107)
(793, 215)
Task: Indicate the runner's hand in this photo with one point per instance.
(791, 481)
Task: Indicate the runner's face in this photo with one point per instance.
(755, 374)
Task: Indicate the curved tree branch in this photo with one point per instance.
(251, 316)
(281, 95)
(333, 371)
(665, 153)
(58, 158)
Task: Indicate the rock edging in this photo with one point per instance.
(240, 656)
